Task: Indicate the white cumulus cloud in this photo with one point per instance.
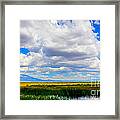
(59, 42)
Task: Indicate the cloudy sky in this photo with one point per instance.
(66, 50)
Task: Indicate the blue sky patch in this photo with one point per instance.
(96, 28)
(24, 51)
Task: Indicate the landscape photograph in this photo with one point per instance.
(59, 59)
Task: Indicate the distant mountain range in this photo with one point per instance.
(27, 78)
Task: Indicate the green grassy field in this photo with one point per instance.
(58, 90)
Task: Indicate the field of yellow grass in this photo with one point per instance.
(24, 84)
(86, 85)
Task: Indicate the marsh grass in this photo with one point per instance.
(57, 91)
